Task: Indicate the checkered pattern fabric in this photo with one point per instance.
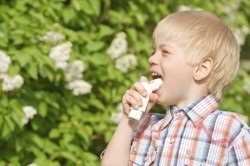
(198, 134)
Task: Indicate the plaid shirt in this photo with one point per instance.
(198, 135)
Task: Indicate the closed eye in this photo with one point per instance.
(165, 51)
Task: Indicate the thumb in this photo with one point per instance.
(143, 79)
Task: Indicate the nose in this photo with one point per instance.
(152, 60)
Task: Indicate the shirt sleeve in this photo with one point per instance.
(141, 143)
(239, 152)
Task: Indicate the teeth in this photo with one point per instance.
(155, 75)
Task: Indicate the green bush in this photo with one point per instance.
(62, 82)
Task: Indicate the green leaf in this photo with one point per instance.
(69, 156)
(50, 147)
(85, 132)
(98, 59)
(96, 6)
(43, 109)
(97, 104)
(84, 6)
(9, 123)
(95, 45)
(14, 161)
(32, 70)
(105, 31)
(90, 157)
(2, 163)
(54, 133)
(37, 140)
(48, 72)
(67, 137)
(52, 102)
(68, 15)
(24, 59)
(17, 115)
(132, 34)
(14, 70)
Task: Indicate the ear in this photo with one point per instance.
(203, 69)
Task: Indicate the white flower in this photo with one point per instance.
(25, 120)
(240, 37)
(17, 81)
(7, 83)
(116, 116)
(241, 33)
(246, 86)
(79, 87)
(183, 8)
(73, 71)
(4, 62)
(29, 114)
(61, 64)
(32, 164)
(245, 29)
(2, 76)
(53, 37)
(61, 54)
(118, 46)
(11, 83)
(126, 63)
(29, 111)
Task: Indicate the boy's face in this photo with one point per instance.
(168, 61)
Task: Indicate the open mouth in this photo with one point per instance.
(156, 75)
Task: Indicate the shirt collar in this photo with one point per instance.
(197, 111)
(201, 108)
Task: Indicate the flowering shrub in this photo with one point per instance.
(29, 114)
(64, 66)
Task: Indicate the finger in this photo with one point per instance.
(134, 98)
(135, 95)
(140, 89)
(153, 97)
(131, 99)
(143, 79)
(125, 104)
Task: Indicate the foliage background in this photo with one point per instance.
(73, 130)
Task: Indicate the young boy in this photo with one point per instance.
(197, 57)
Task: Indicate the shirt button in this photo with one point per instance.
(203, 163)
(178, 114)
(188, 152)
(171, 140)
(134, 150)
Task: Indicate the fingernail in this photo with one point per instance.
(143, 78)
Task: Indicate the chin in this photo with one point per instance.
(161, 103)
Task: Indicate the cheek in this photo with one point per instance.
(177, 80)
(176, 71)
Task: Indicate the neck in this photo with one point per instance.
(195, 92)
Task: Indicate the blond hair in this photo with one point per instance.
(203, 35)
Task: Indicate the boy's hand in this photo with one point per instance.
(133, 97)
